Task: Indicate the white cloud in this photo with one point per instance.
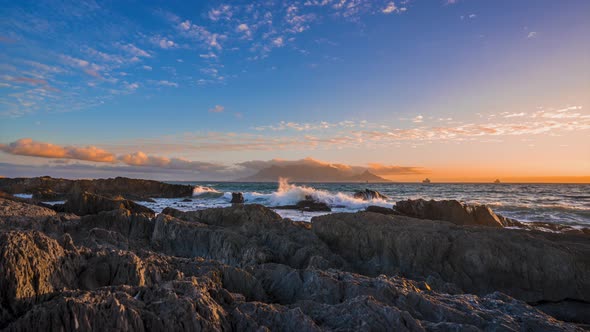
(217, 109)
(418, 119)
(391, 7)
(278, 42)
(134, 50)
(532, 34)
(167, 83)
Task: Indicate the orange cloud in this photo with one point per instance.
(28, 147)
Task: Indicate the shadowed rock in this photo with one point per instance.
(237, 198)
(136, 189)
(118, 270)
(532, 266)
(86, 203)
(451, 210)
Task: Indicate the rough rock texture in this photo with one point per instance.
(135, 189)
(454, 211)
(237, 198)
(381, 210)
(531, 266)
(369, 194)
(308, 204)
(241, 235)
(86, 203)
(245, 268)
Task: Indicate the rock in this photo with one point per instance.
(86, 203)
(118, 270)
(368, 194)
(451, 210)
(307, 204)
(187, 200)
(135, 189)
(381, 210)
(237, 198)
(10, 208)
(243, 235)
(531, 266)
(48, 195)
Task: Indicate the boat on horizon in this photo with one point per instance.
(427, 180)
(497, 181)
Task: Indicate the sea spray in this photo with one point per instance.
(206, 192)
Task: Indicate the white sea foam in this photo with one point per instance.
(206, 192)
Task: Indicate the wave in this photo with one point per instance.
(289, 194)
(206, 192)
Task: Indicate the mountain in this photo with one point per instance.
(311, 173)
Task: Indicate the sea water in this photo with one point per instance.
(555, 203)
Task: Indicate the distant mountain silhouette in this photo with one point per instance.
(311, 173)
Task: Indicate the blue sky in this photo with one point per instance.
(411, 83)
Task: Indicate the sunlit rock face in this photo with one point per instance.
(246, 268)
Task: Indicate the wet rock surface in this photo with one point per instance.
(245, 268)
(369, 194)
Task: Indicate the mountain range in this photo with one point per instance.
(311, 173)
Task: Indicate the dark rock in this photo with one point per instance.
(135, 189)
(307, 204)
(531, 266)
(117, 270)
(237, 198)
(86, 203)
(381, 210)
(369, 194)
(187, 200)
(48, 195)
(243, 235)
(451, 210)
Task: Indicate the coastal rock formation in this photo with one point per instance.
(237, 198)
(49, 188)
(86, 203)
(246, 268)
(380, 209)
(451, 210)
(535, 267)
(368, 194)
(307, 204)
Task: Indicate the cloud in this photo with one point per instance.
(418, 119)
(166, 43)
(391, 7)
(217, 109)
(278, 42)
(167, 83)
(134, 50)
(532, 34)
(28, 147)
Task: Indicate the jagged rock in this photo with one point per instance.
(48, 195)
(10, 208)
(381, 210)
(307, 204)
(245, 234)
(135, 189)
(369, 194)
(237, 198)
(451, 210)
(118, 270)
(86, 203)
(532, 266)
(32, 265)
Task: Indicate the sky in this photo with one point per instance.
(452, 90)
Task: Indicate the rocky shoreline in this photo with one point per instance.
(102, 262)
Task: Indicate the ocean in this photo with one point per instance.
(555, 203)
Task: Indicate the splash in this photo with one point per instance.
(288, 194)
(206, 192)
